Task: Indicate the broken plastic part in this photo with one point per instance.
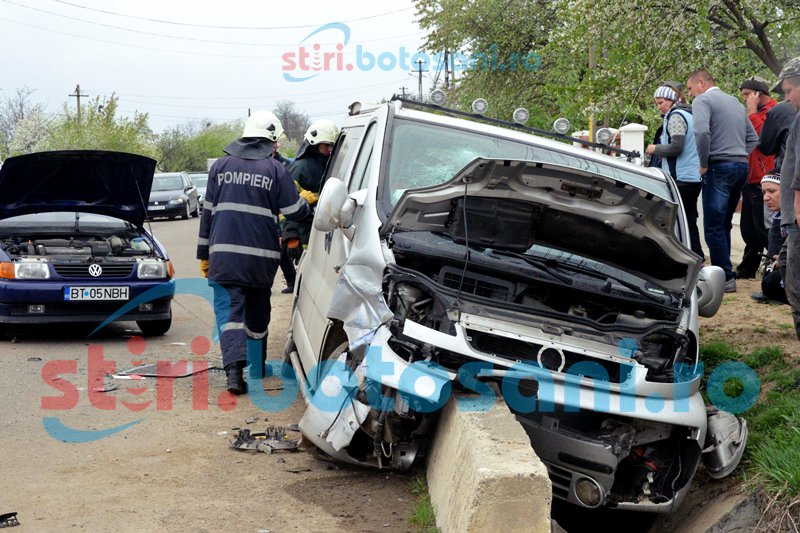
(271, 440)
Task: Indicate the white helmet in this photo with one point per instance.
(321, 131)
(263, 124)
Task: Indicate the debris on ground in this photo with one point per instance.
(271, 440)
(298, 469)
(252, 420)
(8, 520)
(293, 427)
(166, 371)
(34, 359)
(105, 388)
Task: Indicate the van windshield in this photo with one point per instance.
(424, 155)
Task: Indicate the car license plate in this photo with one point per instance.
(96, 293)
(157, 207)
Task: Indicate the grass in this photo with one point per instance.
(422, 515)
(773, 447)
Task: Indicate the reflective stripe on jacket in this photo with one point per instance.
(239, 224)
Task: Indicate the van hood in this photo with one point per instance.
(514, 204)
(108, 183)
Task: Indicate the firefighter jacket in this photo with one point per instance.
(239, 226)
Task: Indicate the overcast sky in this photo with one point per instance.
(181, 60)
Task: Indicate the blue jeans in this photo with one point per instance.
(722, 187)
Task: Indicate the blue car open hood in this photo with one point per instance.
(90, 181)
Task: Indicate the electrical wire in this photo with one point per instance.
(182, 38)
(369, 17)
(653, 63)
(259, 97)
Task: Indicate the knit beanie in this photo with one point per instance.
(666, 92)
(771, 178)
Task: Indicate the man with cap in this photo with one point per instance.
(238, 242)
(755, 93)
(772, 281)
(789, 258)
(724, 138)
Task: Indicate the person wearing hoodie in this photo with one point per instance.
(307, 170)
(238, 245)
(678, 153)
(755, 93)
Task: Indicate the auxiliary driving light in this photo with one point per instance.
(588, 492)
(437, 97)
(604, 136)
(146, 307)
(561, 126)
(480, 106)
(36, 309)
(521, 115)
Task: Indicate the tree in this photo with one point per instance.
(16, 110)
(295, 123)
(101, 129)
(635, 45)
(188, 146)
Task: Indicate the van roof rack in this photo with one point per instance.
(629, 155)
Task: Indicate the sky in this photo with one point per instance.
(209, 60)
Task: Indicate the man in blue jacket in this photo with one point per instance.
(238, 242)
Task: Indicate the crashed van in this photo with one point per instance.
(454, 256)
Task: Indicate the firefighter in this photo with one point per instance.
(238, 242)
(307, 170)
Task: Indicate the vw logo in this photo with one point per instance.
(95, 270)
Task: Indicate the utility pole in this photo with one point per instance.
(446, 69)
(78, 95)
(419, 71)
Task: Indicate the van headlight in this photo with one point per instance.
(31, 271)
(151, 270)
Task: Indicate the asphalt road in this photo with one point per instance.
(172, 469)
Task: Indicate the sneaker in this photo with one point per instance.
(236, 383)
(287, 290)
(730, 285)
(759, 297)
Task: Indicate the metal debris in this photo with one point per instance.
(105, 388)
(8, 520)
(168, 371)
(271, 440)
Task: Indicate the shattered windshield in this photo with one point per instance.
(424, 154)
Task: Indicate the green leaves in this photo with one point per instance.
(636, 45)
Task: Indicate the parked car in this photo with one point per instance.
(200, 179)
(448, 253)
(72, 243)
(173, 195)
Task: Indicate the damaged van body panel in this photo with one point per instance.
(572, 290)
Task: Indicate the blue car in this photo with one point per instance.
(72, 243)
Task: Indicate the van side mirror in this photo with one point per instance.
(335, 208)
(710, 290)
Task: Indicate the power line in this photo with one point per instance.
(182, 38)
(257, 97)
(227, 27)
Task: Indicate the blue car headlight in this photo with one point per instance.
(176, 201)
(151, 269)
(31, 271)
